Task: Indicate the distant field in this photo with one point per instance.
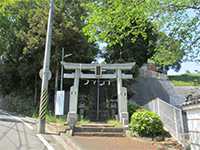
(185, 79)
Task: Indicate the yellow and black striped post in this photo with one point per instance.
(43, 104)
(42, 111)
(46, 74)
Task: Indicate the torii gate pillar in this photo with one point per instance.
(122, 100)
(73, 100)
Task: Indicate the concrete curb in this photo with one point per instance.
(71, 143)
(64, 141)
(61, 139)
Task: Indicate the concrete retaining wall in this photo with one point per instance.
(150, 85)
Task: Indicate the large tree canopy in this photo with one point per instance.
(181, 20)
(22, 42)
(128, 26)
(135, 30)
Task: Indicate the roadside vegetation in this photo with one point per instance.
(144, 123)
(188, 79)
(51, 118)
(131, 29)
(78, 27)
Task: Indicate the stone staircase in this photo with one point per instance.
(98, 129)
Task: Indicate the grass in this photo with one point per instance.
(114, 122)
(83, 122)
(51, 118)
(55, 119)
(188, 79)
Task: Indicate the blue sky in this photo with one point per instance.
(187, 66)
(190, 66)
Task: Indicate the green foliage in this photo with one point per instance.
(112, 20)
(168, 52)
(181, 20)
(132, 108)
(138, 51)
(188, 79)
(131, 29)
(114, 123)
(135, 71)
(131, 35)
(146, 123)
(83, 121)
(51, 118)
(22, 42)
(18, 103)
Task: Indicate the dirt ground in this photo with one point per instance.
(114, 143)
(119, 143)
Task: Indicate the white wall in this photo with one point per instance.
(193, 119)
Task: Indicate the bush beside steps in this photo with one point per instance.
(145, 123)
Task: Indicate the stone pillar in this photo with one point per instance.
(119, 87)
(73, 101)
(122, 100)
(124, 109)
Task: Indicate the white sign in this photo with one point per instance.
(59, 103)
(48, 74)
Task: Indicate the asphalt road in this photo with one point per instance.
(15, 135)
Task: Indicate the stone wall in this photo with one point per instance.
(150, 85)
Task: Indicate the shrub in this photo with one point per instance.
(132, 107)
(146, 123)
(18, 103)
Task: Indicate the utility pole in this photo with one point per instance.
(62, 71)
(46, 74)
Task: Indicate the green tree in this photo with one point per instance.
(22, 42)
(181, 20)
(128, 51)
(168, 51)
(131, 34)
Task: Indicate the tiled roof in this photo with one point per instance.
(192, 100)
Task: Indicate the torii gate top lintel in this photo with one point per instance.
(83, 66)
(78, 67)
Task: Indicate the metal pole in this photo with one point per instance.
(46, 72)
(61, 73)
(98, 94)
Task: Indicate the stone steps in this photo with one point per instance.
(97, 129)
(107, 134)
(97, 125)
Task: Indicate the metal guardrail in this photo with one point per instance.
(171, 117)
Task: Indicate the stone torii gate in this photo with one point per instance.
(98, 70)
